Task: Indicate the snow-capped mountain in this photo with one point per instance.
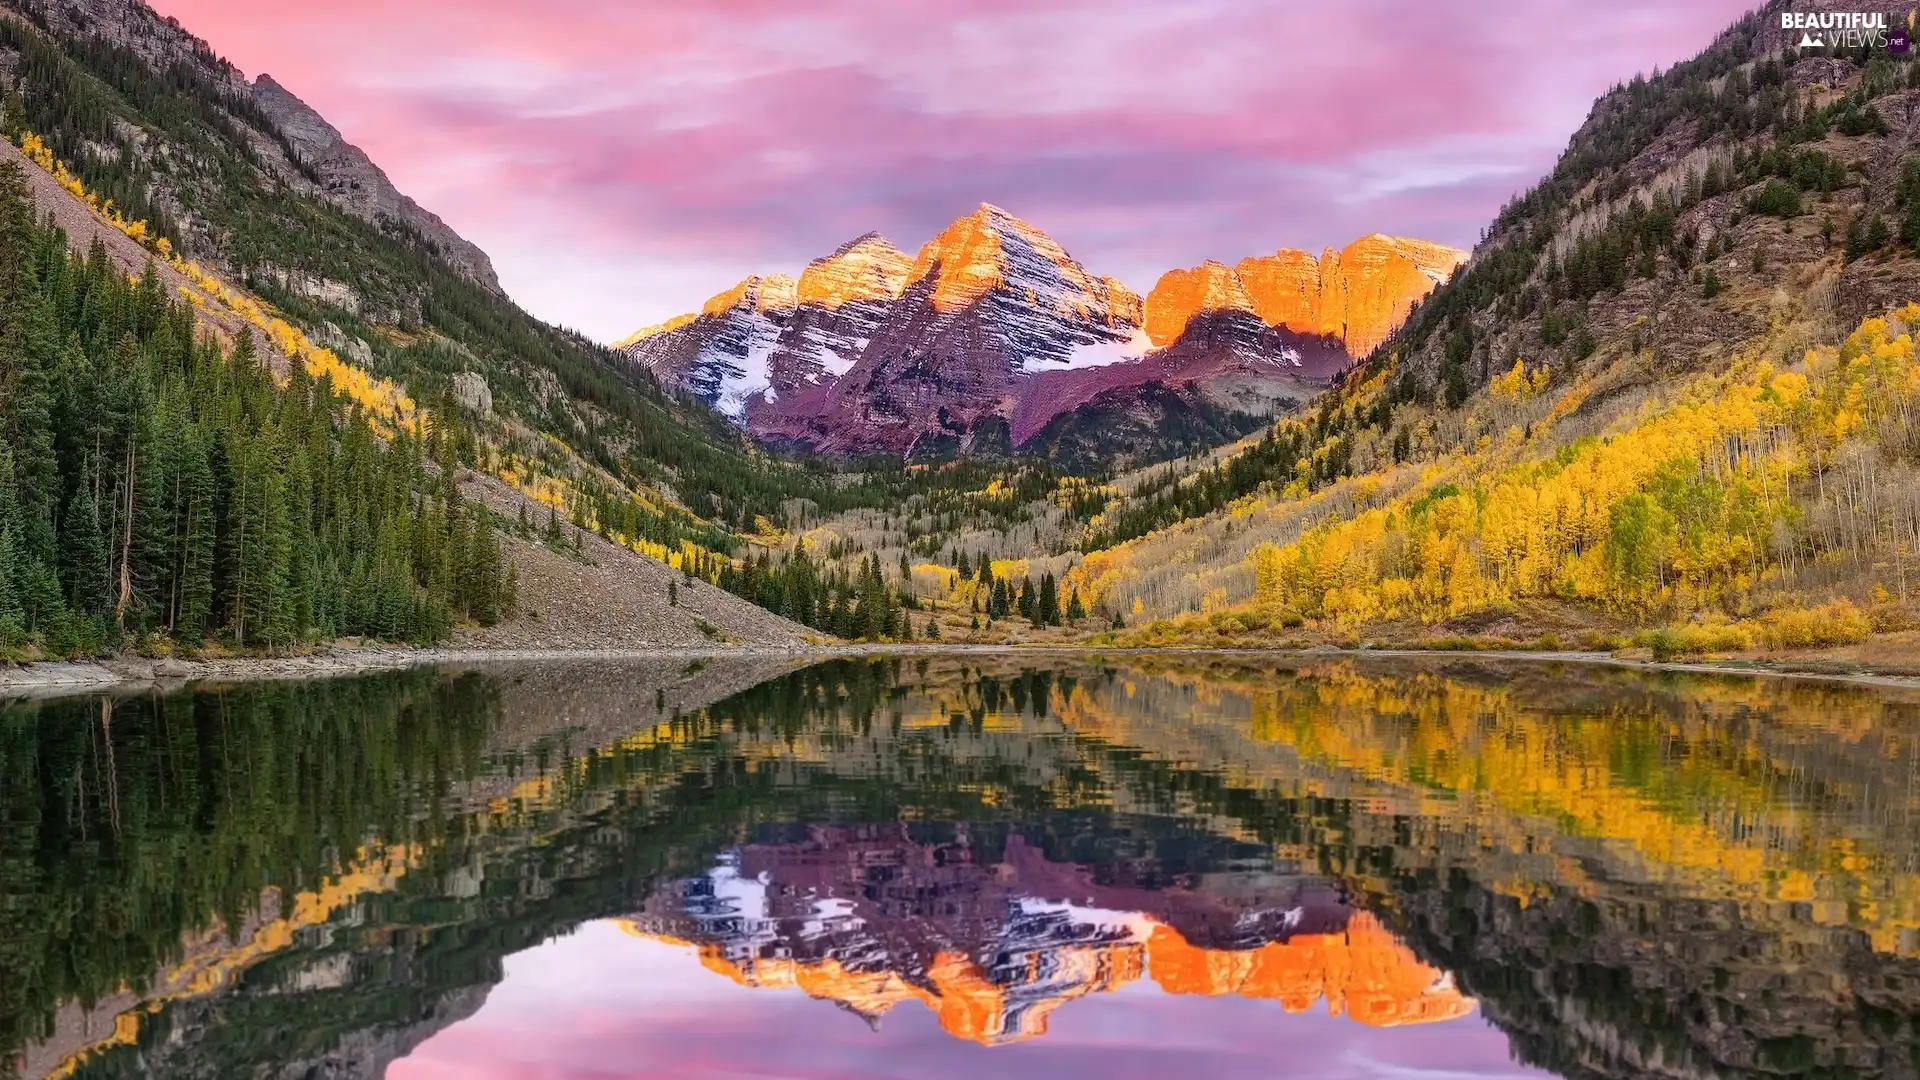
(726, 359)
(992, 338)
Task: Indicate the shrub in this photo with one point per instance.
(1837, 622)
(1778, 199)
(1692, 639)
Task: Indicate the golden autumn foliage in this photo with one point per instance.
(38, 152)
(387, 404)
(1700, 507)
(1526, 767)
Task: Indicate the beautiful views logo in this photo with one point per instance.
(1845, 29)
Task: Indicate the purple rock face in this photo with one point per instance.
(991, 328)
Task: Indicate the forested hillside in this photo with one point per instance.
(1669, 400)
(150, 142)
(167, 137)
(153, 483)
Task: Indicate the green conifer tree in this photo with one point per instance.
(85, 553)
(1047, 604)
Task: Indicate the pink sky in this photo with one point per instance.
(602, 1005)
(623, 160)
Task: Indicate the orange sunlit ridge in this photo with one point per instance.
(1362, 972)
(869, 918)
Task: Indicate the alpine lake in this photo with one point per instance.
(962, 866)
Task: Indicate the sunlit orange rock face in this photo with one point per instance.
(869, 917)
(866, 268)
(990, 250)
(967, 1002)
(1359, 295)
(1182, 294)
(1363, 972)
(771, 294)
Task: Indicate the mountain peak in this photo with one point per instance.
(762, 294)
(866, 268)
(991, 250)
(872, 238)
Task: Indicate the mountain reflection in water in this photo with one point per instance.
(871, 918)
(1093, 861)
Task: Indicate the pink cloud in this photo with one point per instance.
(623, 160)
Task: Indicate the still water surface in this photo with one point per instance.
(965, 867)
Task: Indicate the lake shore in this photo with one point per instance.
(59, 678)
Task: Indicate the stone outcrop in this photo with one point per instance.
(1358, 295)
(471, 391)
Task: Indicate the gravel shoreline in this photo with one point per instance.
(57, 678)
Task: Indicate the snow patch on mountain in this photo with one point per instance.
(745, 376)
(1094, 354)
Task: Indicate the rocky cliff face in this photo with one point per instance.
(288, 139)
(992, 338)
(349, 179)
(1357, 296)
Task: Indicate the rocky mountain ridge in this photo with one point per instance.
(349, 179)
(993, 339)
(311, 154)
(1359, 294)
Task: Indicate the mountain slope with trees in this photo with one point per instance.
(150, 121)
(152, 483)
(135, 137)
(1669, 400)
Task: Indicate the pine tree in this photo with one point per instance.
(1076, 611)
(192, 563)
(1047, 605)
(159, 484)
(13, 614)
(85, 554)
